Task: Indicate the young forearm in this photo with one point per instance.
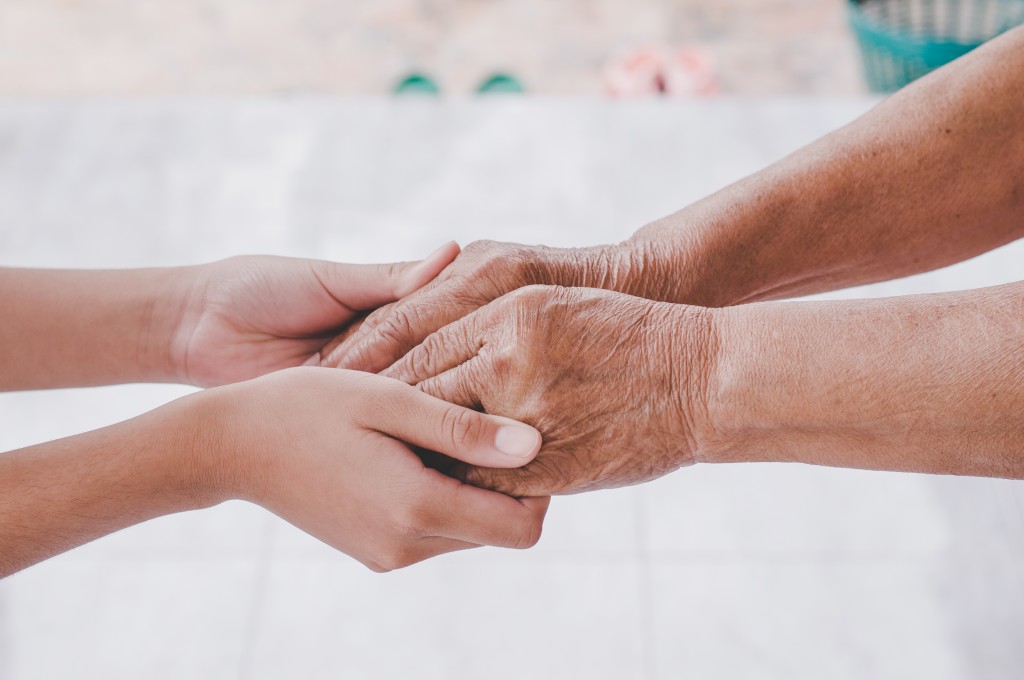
(933, 175)
(323, 449)
(65, 493)
(930, 383)
(64, 328)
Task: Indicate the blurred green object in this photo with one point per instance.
(901, 40)
(501, 83)
(416, 83)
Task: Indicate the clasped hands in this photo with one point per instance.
(614, 382)
(485, 340)
(508, 376)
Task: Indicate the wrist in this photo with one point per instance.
(137, 318)
(182, 300)
(751, 393)
(726, 249)
(688, 344)
(201, 430)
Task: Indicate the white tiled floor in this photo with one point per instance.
(754, 571)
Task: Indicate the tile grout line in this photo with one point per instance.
(645, 584)
(248, 651)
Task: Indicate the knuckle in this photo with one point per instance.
(505, 262)
(504, 360)
(392, 271)
(394, 557)
(374, 318)
(396, 327)
(533, 295)
(421, 362)
(411, 522)
(530, 534)
(525, 266)
(461, 427)
(481, 246)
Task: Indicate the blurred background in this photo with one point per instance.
(132, 47)
(146, 133)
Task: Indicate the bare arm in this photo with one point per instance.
(78, 328)
(322, 449)
(207, 325)
(929, 383)
(625, 389)
(933, 175)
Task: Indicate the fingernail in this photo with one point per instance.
(518, 442)
(313, 360)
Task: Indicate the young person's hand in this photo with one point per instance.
(246, 316)
(329, 451)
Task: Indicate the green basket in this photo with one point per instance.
(901, 40)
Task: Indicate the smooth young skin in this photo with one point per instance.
(625, 389)
(205, 325)
(933, 175)
(325, 450)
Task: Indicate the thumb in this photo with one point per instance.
(467, 435)
(418, 274)
(368, 286)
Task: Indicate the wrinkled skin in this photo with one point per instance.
(616, 384)
(483, 272)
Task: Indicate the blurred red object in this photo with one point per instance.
(654, 71)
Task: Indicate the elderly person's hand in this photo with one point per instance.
(614, 383)
(851, 208)
(483, 272)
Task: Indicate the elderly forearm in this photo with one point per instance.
(65, 328)
(933, 175)
(931, 383)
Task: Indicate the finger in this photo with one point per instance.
(417, 418)
(333, 355)
(323, 357)
(405, 326)
(460, 385)
(427, 270)
(519, 482)
(475, 515)
(444, 350)
(366, 286)
(335, 350)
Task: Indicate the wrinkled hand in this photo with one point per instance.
(484, 271)
(615, 384)
(247, 316)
